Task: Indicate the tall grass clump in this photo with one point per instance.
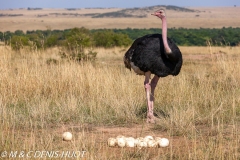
(203, 104)
(55, 92)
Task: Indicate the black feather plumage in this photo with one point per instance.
(147, 53)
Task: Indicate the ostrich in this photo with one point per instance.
(154, 54)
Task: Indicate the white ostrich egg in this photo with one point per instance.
(147, 138)
(141, 143)
(152, 143)
(111, 142)
(121, 142)
(67, 136)
(137, 140)
(163, 142)
(130, 142)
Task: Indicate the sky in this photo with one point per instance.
(12, 4)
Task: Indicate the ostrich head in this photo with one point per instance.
(160, 13)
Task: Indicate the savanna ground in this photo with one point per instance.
(206, 17)
(43, 95)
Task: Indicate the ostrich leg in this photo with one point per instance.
(153, 84)
(150, 118)
(150, 87)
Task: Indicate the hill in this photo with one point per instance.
(140, 12)
(99, 18)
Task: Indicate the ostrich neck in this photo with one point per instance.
(164, 35)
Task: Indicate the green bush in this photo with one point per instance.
(51, 41)
(76, 41)
(18, 42)
(36, 40)
(109, 39)
(78, 38)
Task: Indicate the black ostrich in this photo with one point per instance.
(154, 54)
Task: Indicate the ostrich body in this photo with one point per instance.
(154, 54)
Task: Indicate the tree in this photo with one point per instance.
(51, 41)
(19, 33)
(109, 38)
(18, 42)
(77, 40)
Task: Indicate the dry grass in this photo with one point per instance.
(207, 17)
(199, 110)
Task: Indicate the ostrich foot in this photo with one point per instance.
(150, 118)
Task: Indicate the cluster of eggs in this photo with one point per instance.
(140, 142)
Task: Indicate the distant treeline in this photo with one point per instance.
(10, 15)
(29, 8)
(191, 37)
(119, 37)
(69, 38)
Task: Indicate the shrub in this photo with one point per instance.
(109, 39)
(51, 41)
(17, 42)
(76, 41)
